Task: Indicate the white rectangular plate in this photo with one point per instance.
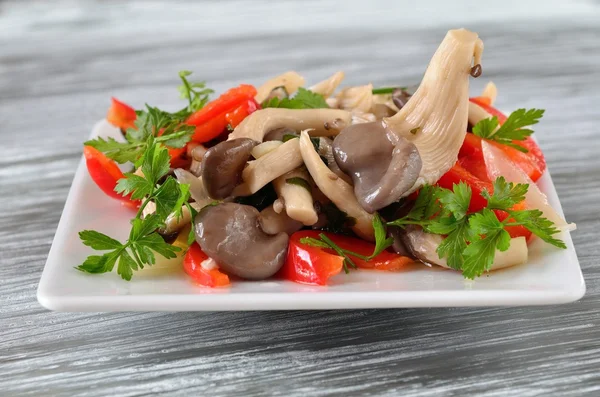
(551, 276)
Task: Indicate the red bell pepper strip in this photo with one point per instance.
(458, 174)
(235, 117)
(309, 265)
(192, 264)
(384, 261)
(533, 162)
(210, 121)
(106, 173)
(177, 155)
(121, 115)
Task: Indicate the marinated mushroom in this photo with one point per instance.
(435, 117)
(323, 122)
(269, 166)
(222, 166)
(327, 87)
(358, 99)
(279, 133)
(295, 193)
(230, 234)
(326, 151)
(290, 81)
(335, 188)
(273, 222)
(383, 166)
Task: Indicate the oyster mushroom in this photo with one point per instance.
(230, 234)
(323, 122)
(269, 166)
(357, 99)
(328, 86)
(296, 198)
(290, 81)
(335, 188)
(383, 165)
(222, 166)
(272, 222)
(435, 118)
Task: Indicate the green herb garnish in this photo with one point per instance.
(511, 130)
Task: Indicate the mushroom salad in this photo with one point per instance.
(302, 183)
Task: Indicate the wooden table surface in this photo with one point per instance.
(61, 62)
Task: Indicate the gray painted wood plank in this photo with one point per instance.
(59, 64)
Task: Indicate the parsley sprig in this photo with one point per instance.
(144, 240)
(303, 99)
(473, 238)
(513, 129)
(195, 92)
(382, 242)
(166, 127)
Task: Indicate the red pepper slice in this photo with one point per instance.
(235, 117)
(458, 174)
(121, 115)
(192, 264)
(106, 173)
(211, 121)
(532, 163)
(309, 265)
(386, 260)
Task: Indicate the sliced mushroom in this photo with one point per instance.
(326, 151)
(230, 234)
(279, 133)
(383, 166)
(324, 122)
(327, 87)
(197, 190)
(260, 150)
(273, 222)
(222, 166)
(289, 80)
(338, 191)
(424, 246)
(400, 97)
(381, 110)
(297, 199)
(275, 163)
(357, 99)
(435, 117)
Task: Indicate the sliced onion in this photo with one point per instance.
(498, 164)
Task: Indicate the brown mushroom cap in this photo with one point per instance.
(383, 166)
(230, 234)
(222, 166)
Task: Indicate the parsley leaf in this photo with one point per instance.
(195, 92)
(453, 246)
(512, 129)
(304, 99)
(538, 225)
(457, 201)
(506, 194)
(381, 242)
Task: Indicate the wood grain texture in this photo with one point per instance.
(60, 63)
